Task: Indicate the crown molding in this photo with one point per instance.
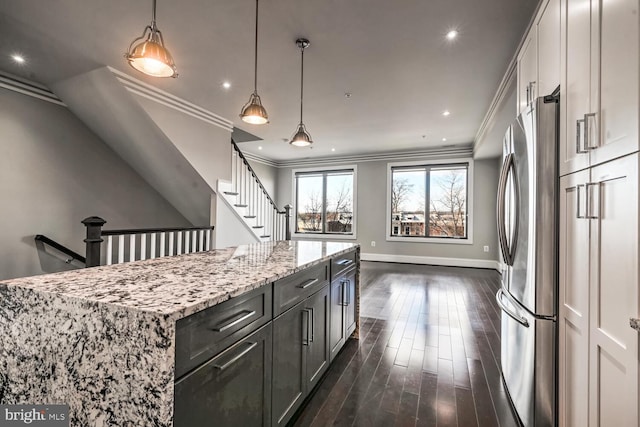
(29, 88)
(505, 82)
(436, 153)
(152, 93)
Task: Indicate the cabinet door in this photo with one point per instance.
(613, 355)
(527, 71)
(317, 357)
(289, 333)
(549, 48)
(615, 55)
(573, 319)
(575, 87)
(337, 314)
(232, 389)
(350, 304)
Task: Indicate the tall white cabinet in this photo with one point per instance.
(591, 49)
(598, 227)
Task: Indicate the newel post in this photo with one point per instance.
(287, 216)
(94, 239)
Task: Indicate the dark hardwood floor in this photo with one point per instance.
(428, 354)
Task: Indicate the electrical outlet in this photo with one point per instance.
(373, 243)
(486, 248)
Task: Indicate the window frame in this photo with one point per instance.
(328, 169)
(439, 162)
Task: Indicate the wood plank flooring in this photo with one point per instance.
(429, 353)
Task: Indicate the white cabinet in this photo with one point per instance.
(598, 351)
(549, 48)
(573, 319)
(527, 71)
(599, 85)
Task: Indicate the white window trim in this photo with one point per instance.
(335, 236)
(438, 240)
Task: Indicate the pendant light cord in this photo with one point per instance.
(153, 16)
(301, 83)
(255, 62)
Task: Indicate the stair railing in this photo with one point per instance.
(143, 243)
(271, 222)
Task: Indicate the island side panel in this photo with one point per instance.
(356, 332)
(112, 366)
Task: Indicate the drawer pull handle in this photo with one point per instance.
(234, 359)
(308, 283)
(345, 262)
(244, 315)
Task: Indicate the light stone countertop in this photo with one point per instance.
(634, 323)
(182, 285)
(102, 340)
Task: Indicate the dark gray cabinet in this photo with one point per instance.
(232, 389)
(343, 310)
(300, 353)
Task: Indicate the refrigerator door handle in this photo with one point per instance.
(515, 316)
(507, 252)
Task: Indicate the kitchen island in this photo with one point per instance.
(103, 340)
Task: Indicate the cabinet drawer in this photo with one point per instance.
(342, 263)
(289, 291)
(208, 332)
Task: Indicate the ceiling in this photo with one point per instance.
(392, 56)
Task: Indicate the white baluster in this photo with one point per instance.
(109, 254)
(201, 240)
(143, 246)
(208, 242)
(153, 246)
(194, 241)
(121, 249)
(186, 242)
(179, 238)
(162, 242)
(132, 247)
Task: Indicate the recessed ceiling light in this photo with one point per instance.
(226, 85)
(18, 59)
(446, 113)
(452, 35)
(444, 139)
(333, 149)
(260, 147)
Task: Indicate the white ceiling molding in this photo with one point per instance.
(25, 87)
(145, 90)
(437, 153)
(504, 83)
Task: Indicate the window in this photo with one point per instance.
(429, 201)
(325, 201)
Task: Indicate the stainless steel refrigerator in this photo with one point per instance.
(527, 217)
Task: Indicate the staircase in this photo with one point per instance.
(248, 198)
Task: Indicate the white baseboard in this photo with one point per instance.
(451, 262)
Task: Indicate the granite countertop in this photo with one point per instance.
(178, 286)
(635, 323)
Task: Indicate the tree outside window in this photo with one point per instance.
(324, 202)
(429, 201)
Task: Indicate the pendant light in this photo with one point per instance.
(253, 112)
(301, 138)
(149, 55)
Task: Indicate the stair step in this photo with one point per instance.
(249, 216)
(258, 226)
(266, 236)
(231, 193)
(237, 205)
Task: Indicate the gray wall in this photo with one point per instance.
(372, 205)
(54, 172)
(268, 175)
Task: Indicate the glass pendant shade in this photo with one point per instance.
(302, 138)
(148, 54)
(253, 112)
